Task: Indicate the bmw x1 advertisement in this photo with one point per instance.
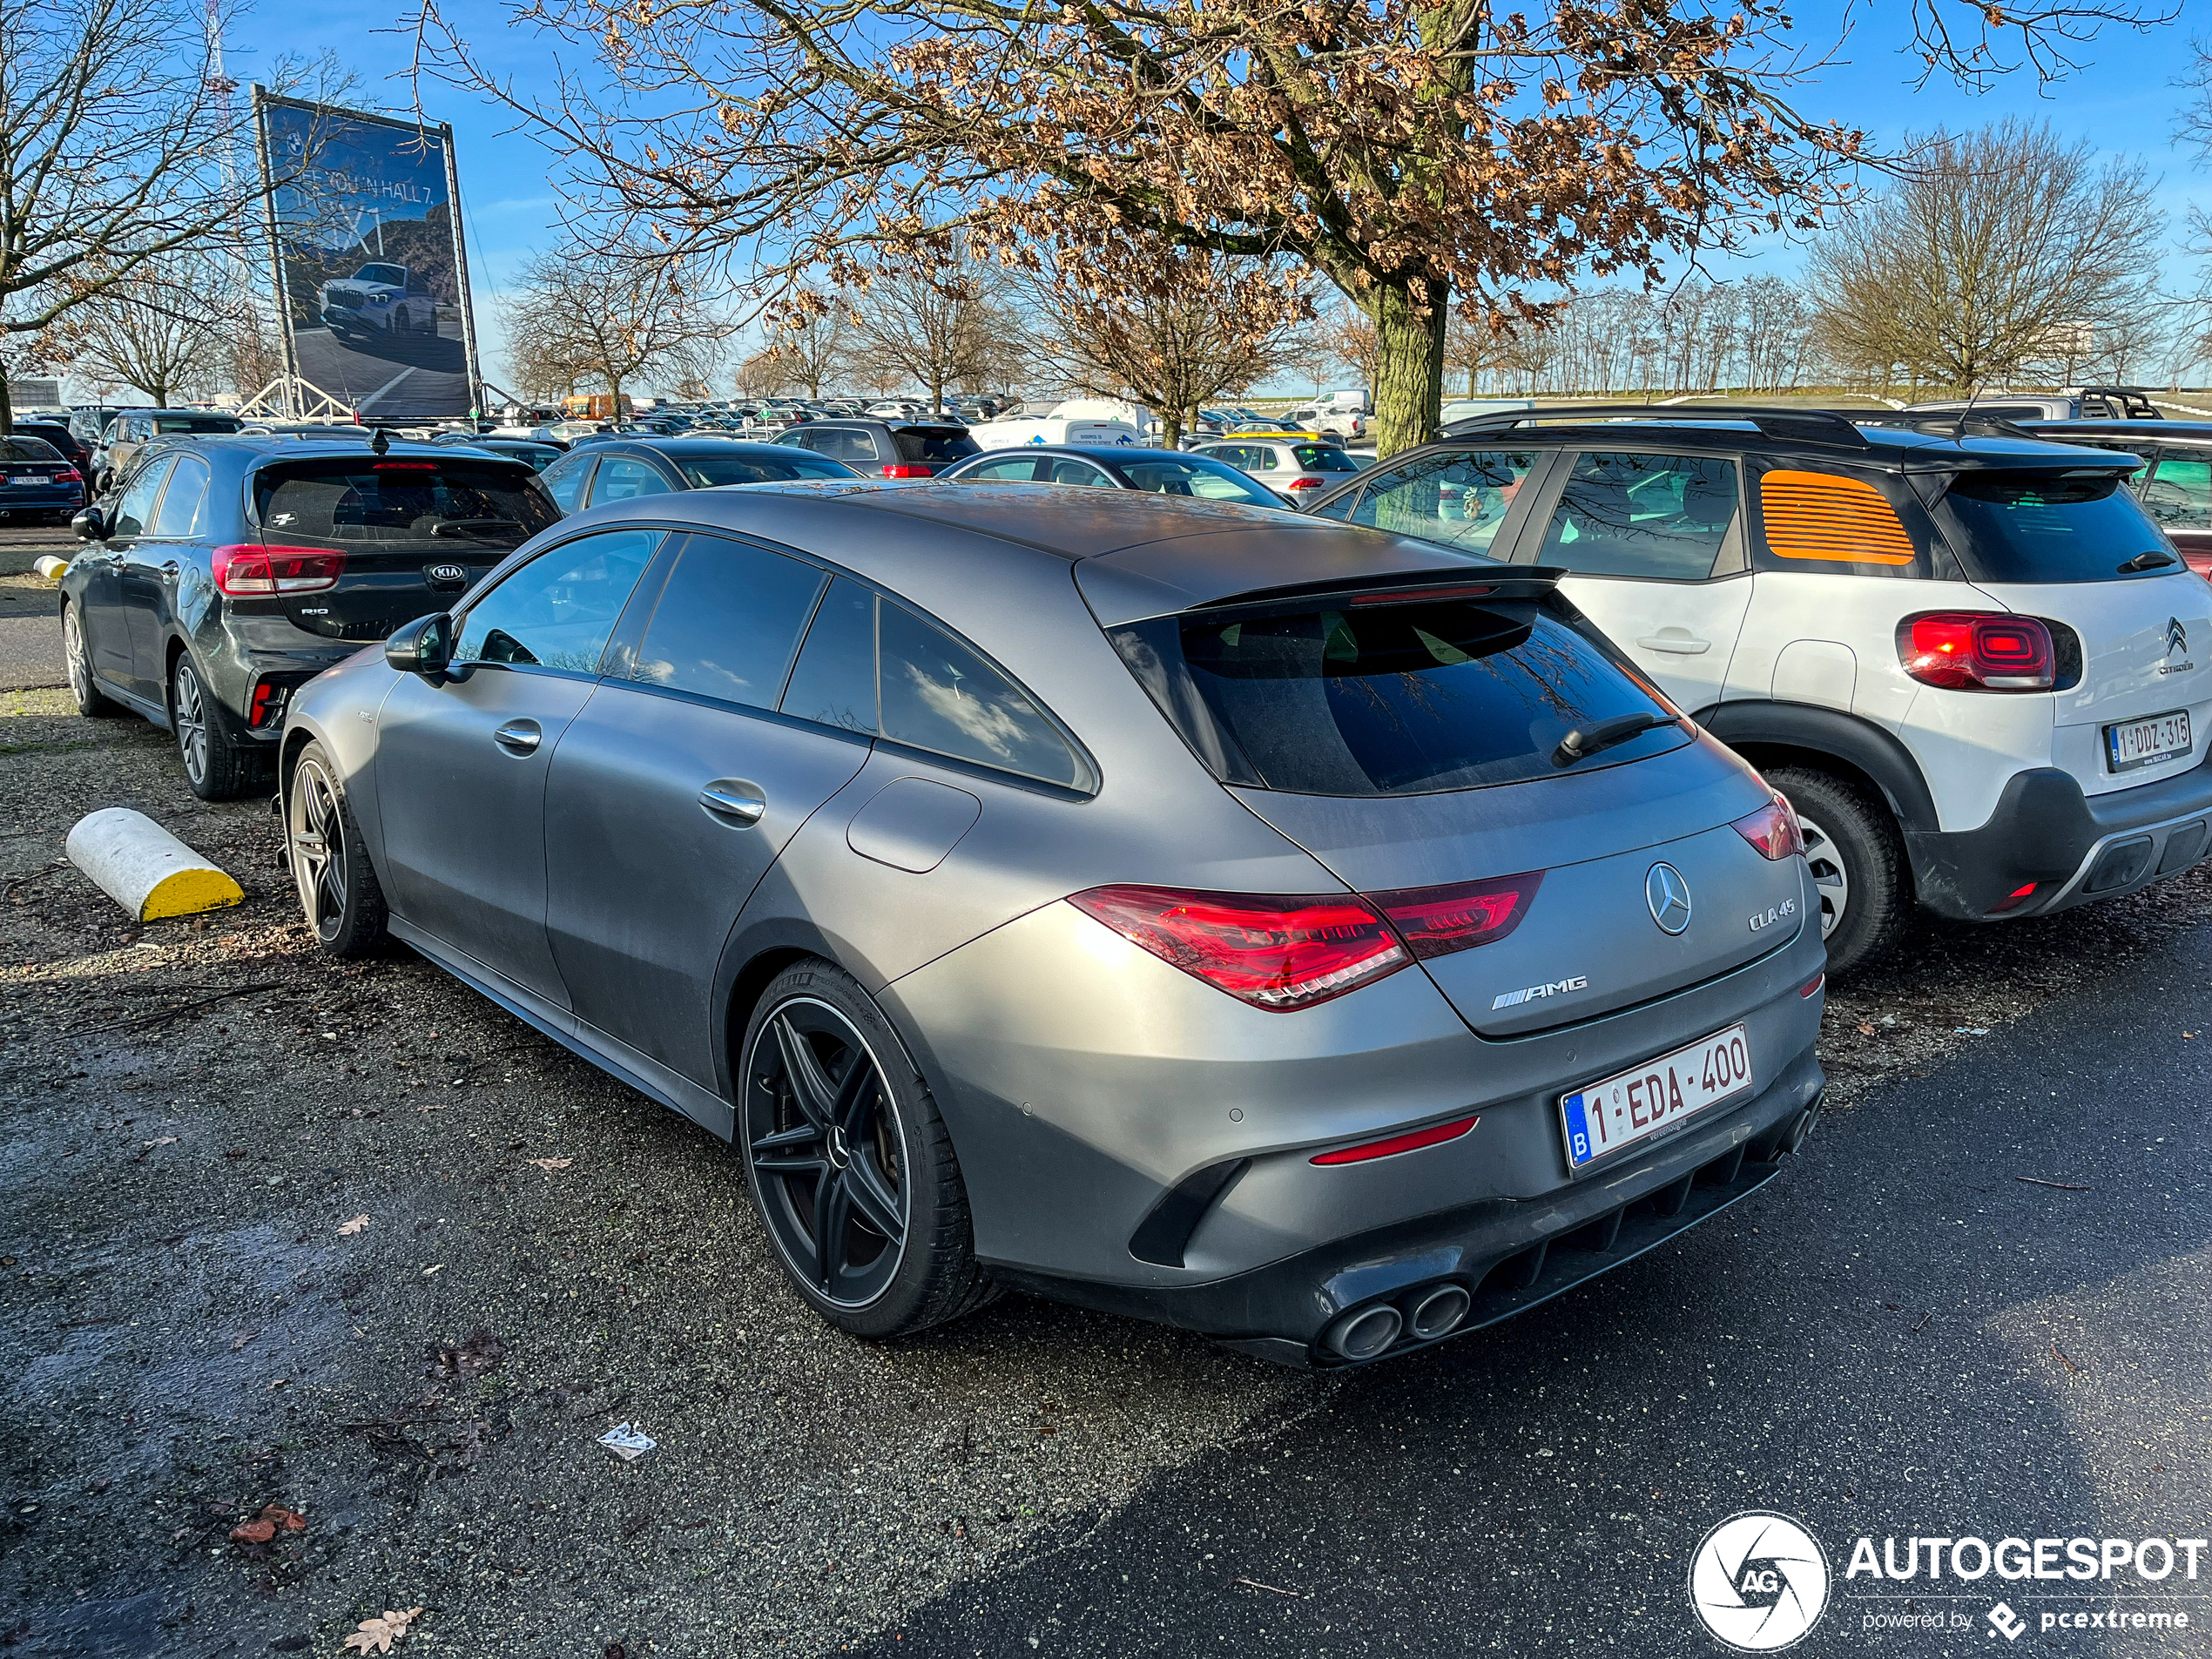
(373, 292)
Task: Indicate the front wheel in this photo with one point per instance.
(1858, 861)
(849, 1164)
(339, 892)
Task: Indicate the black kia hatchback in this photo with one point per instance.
(227, 571)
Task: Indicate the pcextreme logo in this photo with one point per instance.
(1758, 1582)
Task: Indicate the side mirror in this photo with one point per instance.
(89, 525)
(423, 647)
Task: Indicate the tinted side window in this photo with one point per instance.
(2178, 495)
(938, 695)
(564, 481)
(623, 479)
(728, 622)
(1459, 497)
(854, 444)
(1656, 516)
(557, 611)
(1068, 470)
(184, 504)
(834, 681)
(137, 505)
(1022, 470)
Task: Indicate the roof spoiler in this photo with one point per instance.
(1407, 587)
(1774, 420)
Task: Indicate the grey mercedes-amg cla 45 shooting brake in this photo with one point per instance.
(1306, 936)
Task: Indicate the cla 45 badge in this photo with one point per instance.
(1787, 908)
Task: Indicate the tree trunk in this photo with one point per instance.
(1170, 429)
(1409, 365)
(7, 403)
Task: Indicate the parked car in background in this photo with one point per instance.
(885, 448)
(2073, 403)
(1469, 408)
(228, 571)
(1345, 425)
(38, 483)
(539, 456)
(1160, 472)
(2175, 481)
(622, 469)
(1301, 470)
(64, 439)
(133, 429)
(1974, 666)
(1094, 893)
(90, 422)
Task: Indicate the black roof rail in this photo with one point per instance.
(1953, 423)
(1774, 420)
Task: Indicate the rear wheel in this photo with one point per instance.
(1858, 861)
(218, 766)
(339, 892)
(849, 1164)
(77, 658)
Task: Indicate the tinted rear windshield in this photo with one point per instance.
(943, 444)
(427, 505)
(1370, 696)
(706, 471)
(196, 423)
(1323, 457)
(22, 449)
(2042, 527)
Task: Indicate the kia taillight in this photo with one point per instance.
(1275, 952)
(1435, 921)
(1978, 650)
(246, 570)
(1773, 829)
(903, 470)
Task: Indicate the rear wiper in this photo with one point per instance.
(2154, 560)
(1584, 741)
(474, 526)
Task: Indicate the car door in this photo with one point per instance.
(114, 645)
(626, 478)
(565, 480)
(460, 766)
(147, 577)
(674, 791)
(1656, 544)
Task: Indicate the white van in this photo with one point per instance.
(1076, 421)
(1358, 398)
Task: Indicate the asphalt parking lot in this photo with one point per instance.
(1898, 1335)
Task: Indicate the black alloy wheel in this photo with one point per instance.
(825, 1142)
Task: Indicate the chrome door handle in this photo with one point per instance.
(734, 800)
(518, 737)
(1678, 641)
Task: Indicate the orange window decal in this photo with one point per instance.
(1820, 515)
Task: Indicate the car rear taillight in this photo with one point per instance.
(1978, 650)
(1307, 484)
(1435, 921)
(1276, 952)
(1435, 1135)
(1773, 829)
(268, 706)
(905, 469)
(246, 571)
(69, 476)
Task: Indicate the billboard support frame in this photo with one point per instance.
(460, 269)
(276, 248)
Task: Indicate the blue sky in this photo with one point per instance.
(2122, 98)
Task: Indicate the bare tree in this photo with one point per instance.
(119, 144)
(581, 316)
(809, 349)
(166, 329)
(942, 325)
(1988, 258)
(1193, 326)
(1415, 152)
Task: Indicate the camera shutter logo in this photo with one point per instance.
(1758, 1582)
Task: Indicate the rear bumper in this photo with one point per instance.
(2073, 847)
(1507, 1255)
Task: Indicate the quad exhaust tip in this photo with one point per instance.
(1364, 1334)
(1439, 1312)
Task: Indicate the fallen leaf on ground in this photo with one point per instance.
(1864, 1029)
(376, 1636)
(550, 1165)
(277, 1515)
(242, 1338)
(349, 1228)
(475, 1355)
(253, 1532)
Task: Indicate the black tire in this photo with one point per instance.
(77, 660)
(866, 1149)
(1857, 860)
(218, 766)
(339, 895)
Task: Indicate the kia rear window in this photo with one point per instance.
(2047, 527)
(938, 445)
(451, 505)
(1371, 695)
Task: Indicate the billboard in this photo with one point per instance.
(365, 252)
